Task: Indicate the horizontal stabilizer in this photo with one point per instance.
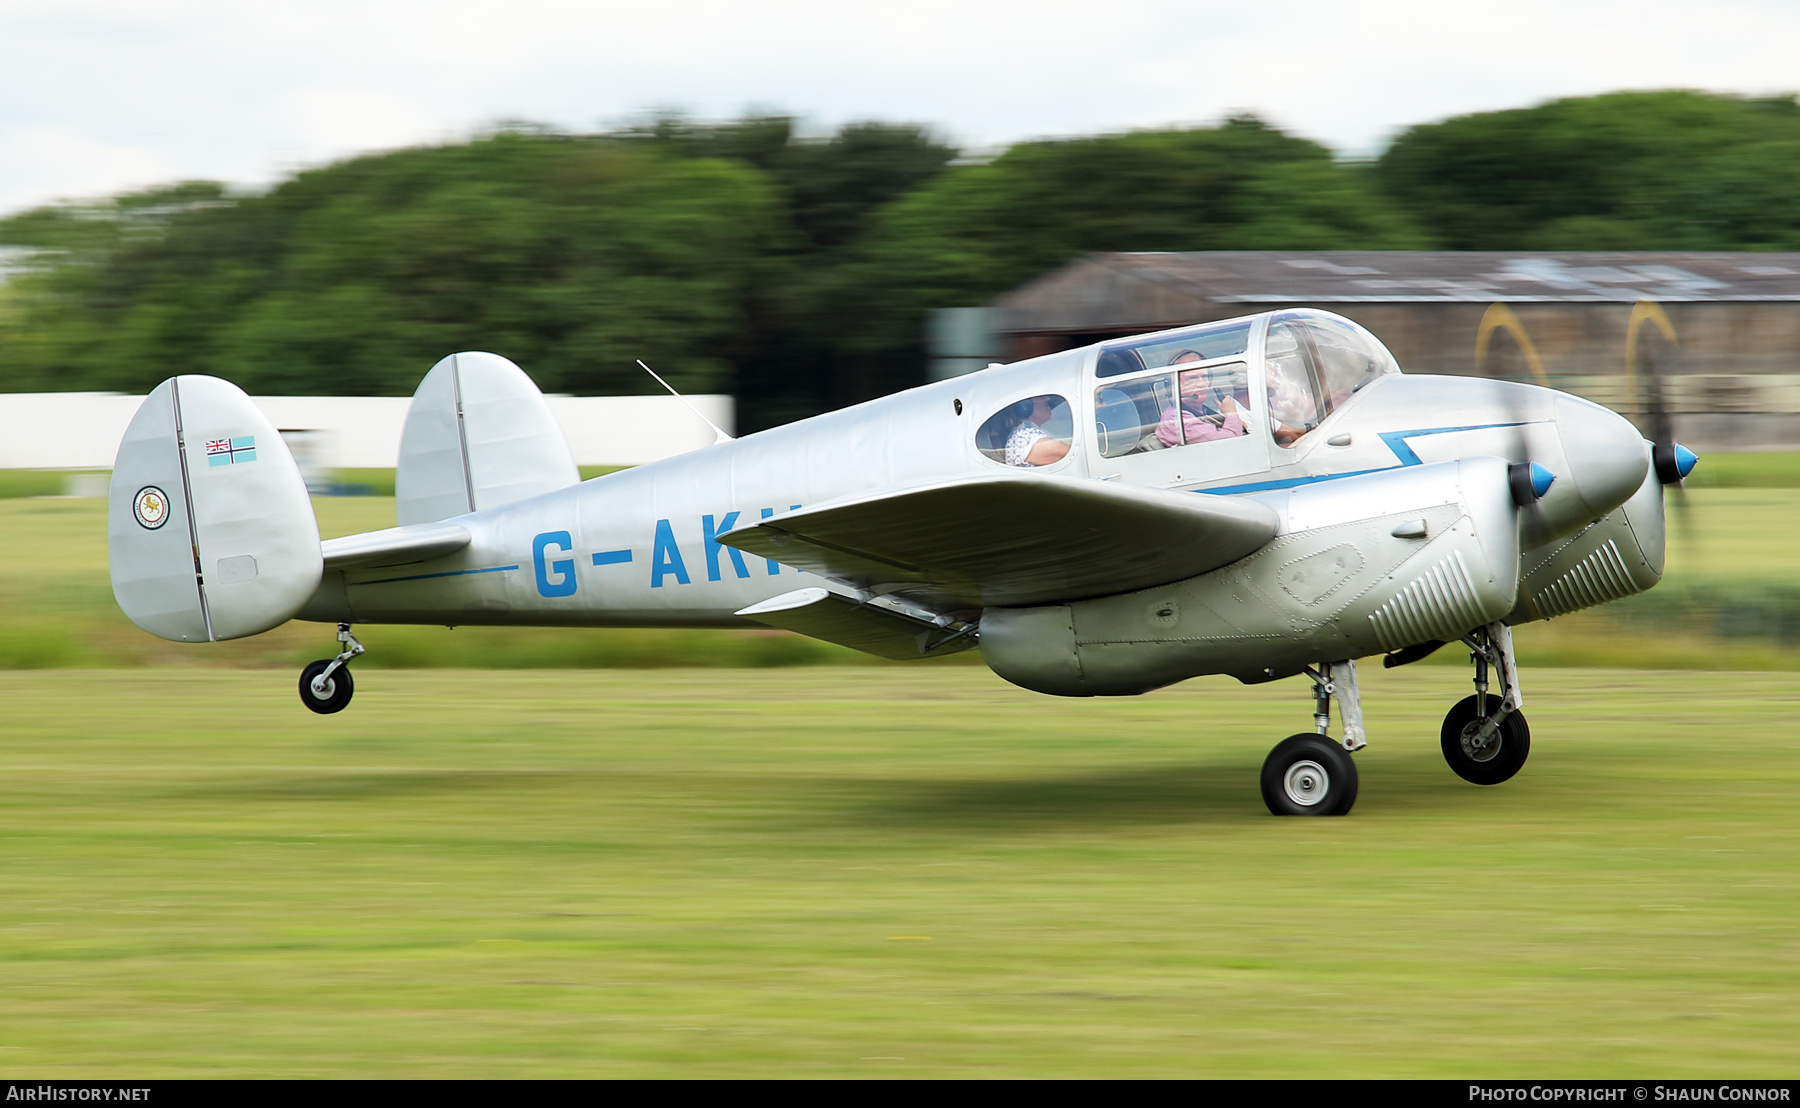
(822, 614)
(395, 546)
(1010, 541)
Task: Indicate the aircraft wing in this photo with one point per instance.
(395, 546)
(1011, 541)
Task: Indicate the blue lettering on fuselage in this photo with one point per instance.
(709, 535)
(564, 568)
(665, 558)
(556, 577)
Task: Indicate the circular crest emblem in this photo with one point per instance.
(151, 507)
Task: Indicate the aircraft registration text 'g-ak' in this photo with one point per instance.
(1261, 497)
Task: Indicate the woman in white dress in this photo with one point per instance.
(1031, 445)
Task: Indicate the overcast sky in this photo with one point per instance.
(97, 96)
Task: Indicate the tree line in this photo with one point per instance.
(796, 271)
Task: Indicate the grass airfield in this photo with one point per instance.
(830, 871)
(838, 868)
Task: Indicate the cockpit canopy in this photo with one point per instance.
(1276, 375)
(1194, 385)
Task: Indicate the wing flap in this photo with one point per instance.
(395, 546)
(1012, 541)
(823, 614)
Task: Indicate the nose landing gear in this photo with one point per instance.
(325, 685)
(1485, 738)
(1313, 775)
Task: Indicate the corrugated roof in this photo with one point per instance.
(1104, 290)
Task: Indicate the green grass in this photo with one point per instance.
(15, 483)
(1746, 471)
(884, 872)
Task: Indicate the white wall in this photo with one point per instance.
(81, 430)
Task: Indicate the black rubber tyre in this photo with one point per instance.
(338, 689)
(1501, 760)
(1309, 775)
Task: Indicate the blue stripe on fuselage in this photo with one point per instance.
(1395, 441)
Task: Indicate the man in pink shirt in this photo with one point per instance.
(1198, 421)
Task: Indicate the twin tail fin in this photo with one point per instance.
(478, 435)
(209, 531)
(211, 534)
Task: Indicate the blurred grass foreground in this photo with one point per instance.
(1730, 599)
(698, 873)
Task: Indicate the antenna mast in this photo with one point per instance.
(717, 430)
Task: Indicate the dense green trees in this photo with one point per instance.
(571, 257)
(796, 272)
(1628, 171)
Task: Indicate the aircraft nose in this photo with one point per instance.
(1607, 456)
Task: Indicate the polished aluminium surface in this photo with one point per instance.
(1388, 523)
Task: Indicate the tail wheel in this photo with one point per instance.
(1496, 761)
(329, 695)
(1309, 775)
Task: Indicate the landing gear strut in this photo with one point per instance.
(325, 685)
(1485, 737)
(1313, 775)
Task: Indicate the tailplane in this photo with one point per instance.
(478, 435)
(210, 534)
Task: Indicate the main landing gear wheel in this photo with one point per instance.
(1309, 775)
(1497, 760)
(329, 695)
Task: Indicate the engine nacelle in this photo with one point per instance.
(1618, 555)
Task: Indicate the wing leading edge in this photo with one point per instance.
(1012, 541)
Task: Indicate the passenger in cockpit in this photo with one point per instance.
(1290, 403)
(1029, 444)
(1202, 413)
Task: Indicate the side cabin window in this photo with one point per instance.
(1032, 432)
(1224, 340)
(1180, 407)
(1196, 398)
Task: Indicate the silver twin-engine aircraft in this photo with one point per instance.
(1261, 497)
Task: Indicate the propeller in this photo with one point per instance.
(1527, 479)
(1671, 460)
